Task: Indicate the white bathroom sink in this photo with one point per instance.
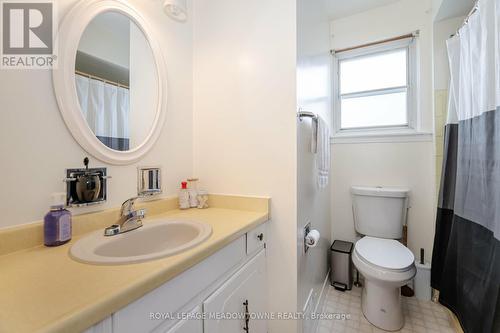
(155, 239)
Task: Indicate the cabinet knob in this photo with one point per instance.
(260, 236)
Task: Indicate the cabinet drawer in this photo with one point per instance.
(256, 238)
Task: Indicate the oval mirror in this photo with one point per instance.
(110, 81)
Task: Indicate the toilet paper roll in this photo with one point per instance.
(312, 238)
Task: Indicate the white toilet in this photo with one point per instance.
(385, 263)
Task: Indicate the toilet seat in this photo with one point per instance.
(384, 254)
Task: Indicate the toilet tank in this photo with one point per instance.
(380, 211)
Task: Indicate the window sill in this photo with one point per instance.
(405, 135)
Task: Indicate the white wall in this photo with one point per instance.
(108, 41)
(436, 5)
(442, 32)
(244, 121)
(36, 146)
(142, 78)
(452, 8)
(313, 205)
(403, 164)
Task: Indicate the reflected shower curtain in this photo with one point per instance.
(106, 109)
(466, 255)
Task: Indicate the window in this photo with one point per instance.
(375, 88)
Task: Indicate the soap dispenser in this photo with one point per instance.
(193, 192)
(57, 222)
(184, 197)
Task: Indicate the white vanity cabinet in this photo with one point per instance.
(223, 283)
(189, 325)
(242, 295)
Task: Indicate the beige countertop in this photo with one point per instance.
(43, 290)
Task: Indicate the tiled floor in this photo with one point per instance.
(420, 316)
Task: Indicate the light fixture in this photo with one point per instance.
(176, 9)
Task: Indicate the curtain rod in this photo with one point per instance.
(90, 76)
(410, 35)
(466, 20)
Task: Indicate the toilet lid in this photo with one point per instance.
(385, 253)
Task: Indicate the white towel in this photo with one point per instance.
(322, 151)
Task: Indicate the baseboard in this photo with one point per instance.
(321, 300)
(322, 295)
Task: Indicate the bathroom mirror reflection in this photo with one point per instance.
(116, 81)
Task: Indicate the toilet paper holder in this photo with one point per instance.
(307, 230)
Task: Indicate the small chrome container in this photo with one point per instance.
(148, 181)
(86, 186)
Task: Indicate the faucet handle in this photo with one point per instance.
(128, 206)
(141, 213)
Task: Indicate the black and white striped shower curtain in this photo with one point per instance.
(466, 255)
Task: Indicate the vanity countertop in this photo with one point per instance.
(44, 290)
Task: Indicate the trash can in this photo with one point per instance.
(341, 265)
(422, 281)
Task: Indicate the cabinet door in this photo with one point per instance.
(191, 325)
(105, 326)
(226, 308)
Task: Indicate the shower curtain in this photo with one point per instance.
(466, 255)
(106, 109)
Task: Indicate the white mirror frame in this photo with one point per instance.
(70, 31)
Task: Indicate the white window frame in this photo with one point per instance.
(409, 132)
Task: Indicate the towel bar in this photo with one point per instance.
(314, 117)
(306, 114)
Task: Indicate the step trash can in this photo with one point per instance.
(341, 265)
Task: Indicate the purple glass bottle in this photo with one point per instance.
(57, 222)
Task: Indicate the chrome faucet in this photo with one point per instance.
(129, 220)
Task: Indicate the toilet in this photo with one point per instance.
(385, 263)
